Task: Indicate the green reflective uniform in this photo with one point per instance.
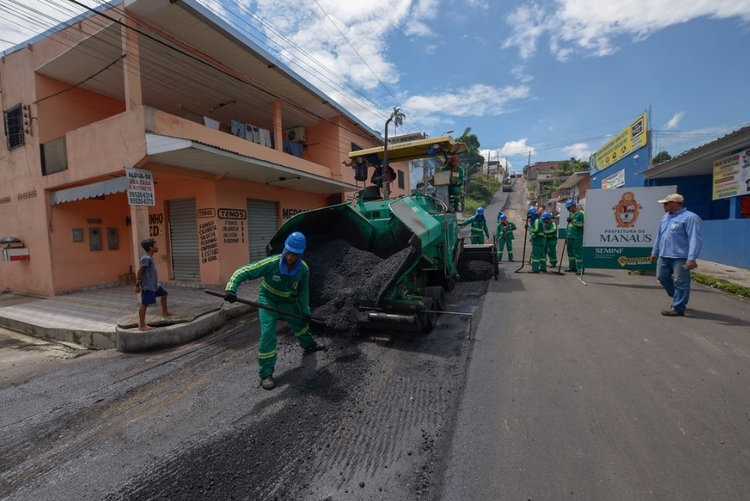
(574, 234)
(550, 247)
(288, 293)
(505, 238)
(478, 227)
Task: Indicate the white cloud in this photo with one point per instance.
(591, 26)
(478, 4)
(674, 122)
(512, 148)
(579, 151)
(477, 100)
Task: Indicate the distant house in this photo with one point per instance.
(157, 119)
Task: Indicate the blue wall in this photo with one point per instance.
(727, 242)
(697, 191)
(631, 165)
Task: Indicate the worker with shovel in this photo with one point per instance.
(535, 228)
(285, 289)
(550, 234)
(574, 236)
(505, 237)
(478, 227)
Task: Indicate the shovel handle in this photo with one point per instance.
(269, 308)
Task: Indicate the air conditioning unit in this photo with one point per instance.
(296, 135)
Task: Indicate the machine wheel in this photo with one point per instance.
(428, 319)
(438, 297)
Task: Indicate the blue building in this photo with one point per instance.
(715, 180)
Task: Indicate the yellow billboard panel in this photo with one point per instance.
(731, 175)
(632, 138)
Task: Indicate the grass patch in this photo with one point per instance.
(723, 285)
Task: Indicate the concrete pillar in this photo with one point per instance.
(278, 133)
(131, 65)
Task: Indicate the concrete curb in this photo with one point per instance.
(134, 341)
(95, 339)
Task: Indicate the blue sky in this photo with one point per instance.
(553, 79)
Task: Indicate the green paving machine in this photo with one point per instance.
(417, 236)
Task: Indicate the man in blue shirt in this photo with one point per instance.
(676, 249)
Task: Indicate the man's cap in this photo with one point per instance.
(674, 197)
(547, 215)
(570, 203)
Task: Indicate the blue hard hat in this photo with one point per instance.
(570, 203)
(295, 243)
(547, 215)
(480, 212)
(532, 211)
(502, 217)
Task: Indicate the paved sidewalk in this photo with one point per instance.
(108, 318)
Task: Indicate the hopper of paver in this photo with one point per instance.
(419, 245)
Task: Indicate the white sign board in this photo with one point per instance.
(621, 226)
(140, 187)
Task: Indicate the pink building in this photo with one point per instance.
(153, 118)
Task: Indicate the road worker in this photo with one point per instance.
(478, 227)
(285, 287)
(504, 235)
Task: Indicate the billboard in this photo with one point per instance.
(621, 227)
(630, 139)
(731, 175)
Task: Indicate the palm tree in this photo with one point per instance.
(397, 116)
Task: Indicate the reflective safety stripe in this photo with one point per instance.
(277, 292)
(303, 331)
(266, 355)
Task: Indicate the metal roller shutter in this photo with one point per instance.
(262, 223)
(183, 239)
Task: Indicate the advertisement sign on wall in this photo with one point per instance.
(632, 138)
(621, 226)
(140, 187)
(732, 175)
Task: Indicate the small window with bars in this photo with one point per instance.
(13, 119)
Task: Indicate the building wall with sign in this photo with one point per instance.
(77, 137)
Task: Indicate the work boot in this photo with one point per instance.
(315, 347)
(571, 270)
(268, 383)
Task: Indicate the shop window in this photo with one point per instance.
(13, 120)
(401, 179)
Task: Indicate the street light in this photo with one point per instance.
(447, 132)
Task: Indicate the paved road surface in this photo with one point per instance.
(587, 392)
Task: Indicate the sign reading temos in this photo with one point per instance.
(232, 214)
(140, 187)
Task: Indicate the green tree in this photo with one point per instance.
(662, 156)
(472, 159)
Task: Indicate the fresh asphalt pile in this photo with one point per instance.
(342, 277)
(475, 270)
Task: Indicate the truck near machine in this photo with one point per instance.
(421, 230)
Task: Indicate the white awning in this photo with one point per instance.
(116, 185)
